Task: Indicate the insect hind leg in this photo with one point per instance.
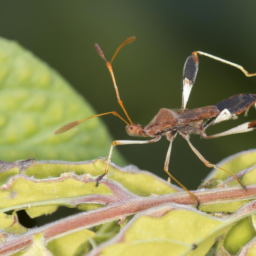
(208, 164)
(226, 62)
(242, 128)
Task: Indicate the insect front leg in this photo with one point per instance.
(122, 142)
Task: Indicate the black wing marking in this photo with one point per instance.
(237, 104)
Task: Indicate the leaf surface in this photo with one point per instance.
(34, 102)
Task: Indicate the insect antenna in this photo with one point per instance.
(75, 123)
(110, 68)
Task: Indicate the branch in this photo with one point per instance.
(126, 205)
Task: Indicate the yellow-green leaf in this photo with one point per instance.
(234, 164)
(179, 232)
(71, 244)
(34, 102)
(239, 235)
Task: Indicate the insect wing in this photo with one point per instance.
(198, 114)
(237, 104)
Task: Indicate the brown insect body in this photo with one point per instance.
(192, 121)
(181, 121)
(169, 122)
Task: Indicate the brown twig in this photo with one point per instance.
(126, 205)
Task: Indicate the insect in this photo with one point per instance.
(184, 122)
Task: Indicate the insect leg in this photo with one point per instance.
(123, 142)
(190, 72)
(246, 127)
(166, 167)
(226, 62)
(207, 163)
(189, 76)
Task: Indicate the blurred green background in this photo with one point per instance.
(148, 71)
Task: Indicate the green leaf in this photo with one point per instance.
(23, 190)
(220, 249)
(106, 231)
(36, 186)
(10, 224)
(251, 251)
(180, 232)
(235, 164)
(77, 243)
(34, 102)
(41, 210)
(171, 229)
(38, 247)
(39, 193)
(239, 235)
